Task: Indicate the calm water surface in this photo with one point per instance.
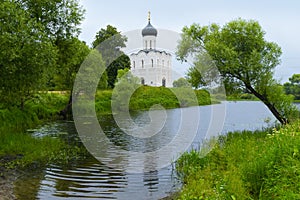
(89, 179)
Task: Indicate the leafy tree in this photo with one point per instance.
(126, 85)
(59, 18)
(32, 34)
(26, 54)
(293, 86)
(181, 82)
(243, 56)
(71, 53)
(111, 41)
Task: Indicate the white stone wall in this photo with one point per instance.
(153, 66)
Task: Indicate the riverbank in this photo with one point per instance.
(245, 165)
(145, 97)
(20, 149)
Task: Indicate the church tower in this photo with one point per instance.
(152, 66)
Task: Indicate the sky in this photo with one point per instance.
(279, 19)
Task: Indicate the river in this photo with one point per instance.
(90, 179)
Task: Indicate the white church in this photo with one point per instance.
(152, 66)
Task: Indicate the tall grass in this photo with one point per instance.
(42, 107)
(20, 149)
(245, 165)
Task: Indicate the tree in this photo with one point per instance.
(32, 34)
(60, 18)
(113, 42)
(293, 86)
(27, 56)
(243, 56)
(126, 85)
(181, 82)
(71, 53)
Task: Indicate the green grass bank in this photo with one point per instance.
(20, 149)
(245, 165)
(145, 97)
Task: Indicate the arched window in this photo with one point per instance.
(163, 82)
(152, 62)
(133, 64)
(150, 44)
(142, 81)
(142, 63)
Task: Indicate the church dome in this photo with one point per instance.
(149, 30)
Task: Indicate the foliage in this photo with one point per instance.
(242, 56)
(27, 55)
(20, 149)
(181, 82)
(125, 86)
(72, 53)
(35, 38)
(60, 18)
(109, 41)
(259, 165)
(293, 86)
(41, 106)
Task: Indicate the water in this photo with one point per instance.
(90, 179)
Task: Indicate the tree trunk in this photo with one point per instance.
(271, 107)
(67, 109)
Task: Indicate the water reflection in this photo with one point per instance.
(89, 179)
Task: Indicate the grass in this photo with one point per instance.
(20, 149)
(242, 97)
(245, 165)
(145, 97)
(42, 107)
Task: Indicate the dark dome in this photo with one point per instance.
(149, 30)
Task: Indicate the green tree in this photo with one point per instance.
(243, 56)
(27, 56)
(60, 18)
(109, 42)
(126, 85)
(181, 82)
(293, 86)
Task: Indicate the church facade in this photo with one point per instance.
(152, 66)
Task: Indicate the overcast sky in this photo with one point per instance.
(280, 19)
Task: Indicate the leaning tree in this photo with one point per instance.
(244, 57)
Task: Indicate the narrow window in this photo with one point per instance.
(133, 64)
(152, 62)
(142, 63)
(163, 62)
(157, 62)
(150, 44)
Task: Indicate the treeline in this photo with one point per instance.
(40, 49)
(293, 86)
